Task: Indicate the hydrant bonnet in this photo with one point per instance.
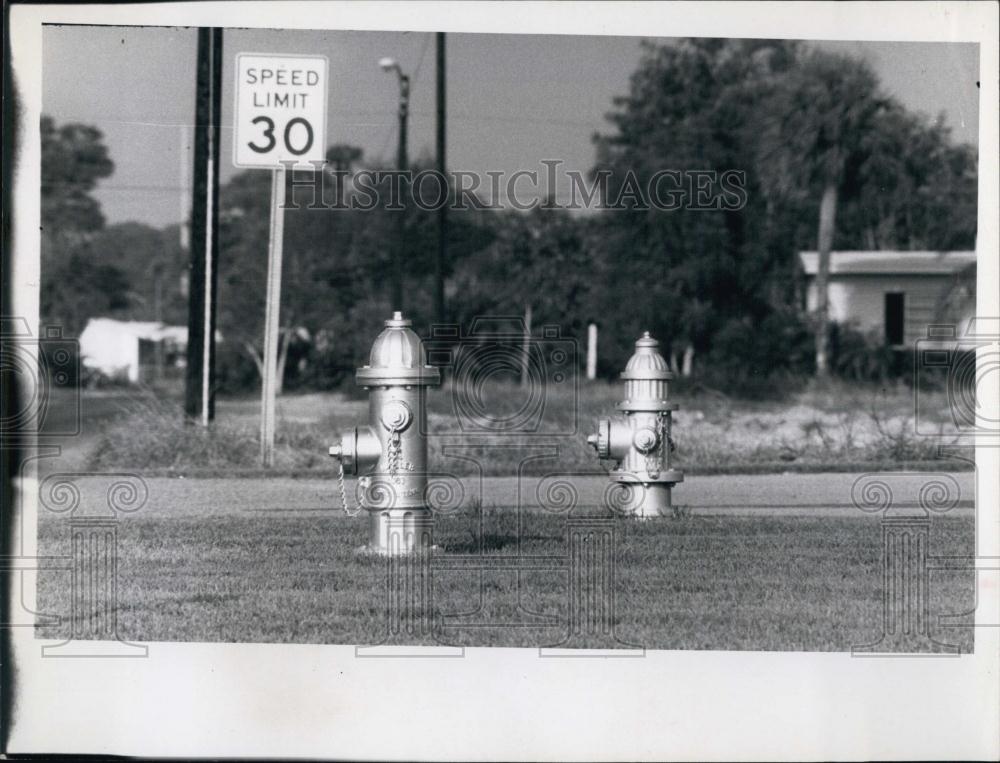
(397, 358)
(646, 375)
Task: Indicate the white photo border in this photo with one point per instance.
(209, 700)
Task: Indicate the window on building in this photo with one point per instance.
(895, 326)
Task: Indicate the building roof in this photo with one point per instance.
(890, 263)
(152, 330)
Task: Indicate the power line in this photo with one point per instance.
(420, 61)
(413, 113)
(521, 120)
(154, 188)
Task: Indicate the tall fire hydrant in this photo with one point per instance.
(389, 455)
(639, 442)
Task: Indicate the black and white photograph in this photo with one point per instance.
(501, 381)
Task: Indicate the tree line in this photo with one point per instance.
(828, 161)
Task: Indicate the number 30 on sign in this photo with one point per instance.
(280, 110)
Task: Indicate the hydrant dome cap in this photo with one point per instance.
(647, 362)
(398, 357)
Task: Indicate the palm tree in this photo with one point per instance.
(822, 109)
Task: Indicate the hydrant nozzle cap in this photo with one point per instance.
(397, 321)
(647, 363)
(646, 341)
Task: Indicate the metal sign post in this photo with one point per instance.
(280, 118)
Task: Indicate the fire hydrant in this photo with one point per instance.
(389, 455)
(639, 442)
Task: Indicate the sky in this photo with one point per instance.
(513, 100)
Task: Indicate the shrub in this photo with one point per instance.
(769, 359)
(864, 356)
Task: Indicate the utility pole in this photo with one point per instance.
(402, 162)
(199, 399)
(442, 134)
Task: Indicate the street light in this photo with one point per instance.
(388, 64)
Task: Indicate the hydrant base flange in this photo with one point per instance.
(670, 477)
(643, 500)
(651, 406)
(394, 532)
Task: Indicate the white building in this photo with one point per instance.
(121, 349)
(896, 294)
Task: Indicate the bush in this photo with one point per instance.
(864, 356)
(769, 359)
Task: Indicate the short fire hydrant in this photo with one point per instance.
(640, 441)
(390, 454)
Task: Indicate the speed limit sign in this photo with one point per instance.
(280, 110)
(280, 117)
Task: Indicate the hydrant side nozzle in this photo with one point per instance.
(601, 440)
(367, 450)
(345, 450)
(358, 450)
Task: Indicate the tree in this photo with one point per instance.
(825, 155)
(333, 298)
(74, 158)
(343, 156)
(330, 274)
(911, 188)
(76, 284)
(687, 273)
(537, 261)
(152, 263)
(824, 107)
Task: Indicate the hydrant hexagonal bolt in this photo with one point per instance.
(639, 440)
(390, 453)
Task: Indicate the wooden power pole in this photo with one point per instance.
(442, 134)
(199, 398)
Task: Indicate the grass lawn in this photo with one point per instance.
(802, 583)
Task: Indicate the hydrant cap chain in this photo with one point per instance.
(398, 358)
